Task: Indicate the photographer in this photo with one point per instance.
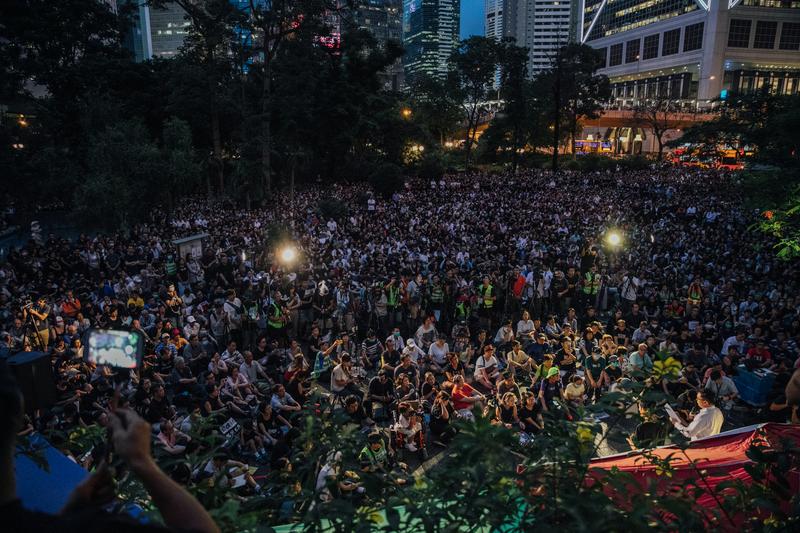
(130, 436)
(38, 313)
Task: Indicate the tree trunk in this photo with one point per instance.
(573, 132)
(216, 136)
(556, 112)
(468, 141)
(660, 147)
(266, 124)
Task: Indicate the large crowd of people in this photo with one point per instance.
(520, 296)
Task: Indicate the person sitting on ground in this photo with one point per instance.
(548, 362)
(575, 391)
(465, 398)
(171, 440)
(453, 367)
(550, 389)
(486, 370)
(282, 402)
(507, 384)
(409, 425)
(376, 458)
(355, 413)
(405, 391)
(529, 413)
(519, 361)
(442, 412)
(379, 399)
(640, 361)
(506, 411)
(342, 378)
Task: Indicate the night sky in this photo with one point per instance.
(471, 18)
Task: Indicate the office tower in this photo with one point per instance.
(383, 19)
(430, 35)
(156, 32)
(694, 51)
(542, 26)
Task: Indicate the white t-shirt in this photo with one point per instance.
(438, 354)
(338, 374)
(488, 365)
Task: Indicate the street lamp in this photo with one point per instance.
(406, 113)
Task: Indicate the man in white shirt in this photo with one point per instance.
(706, 423)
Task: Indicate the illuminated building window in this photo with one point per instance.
(632, 51)
(603, 53)
(765, 34)
(739, 33)
(615, 55)
(672, 40)
(790, 36)
(693, 37)
(650, 47)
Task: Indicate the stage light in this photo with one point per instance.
(288, 254)
(614, 238)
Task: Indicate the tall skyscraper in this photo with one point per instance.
(543, 26)
(430, 35)
(383, 19)
(493, 22)
(694, 51)
(156, 32)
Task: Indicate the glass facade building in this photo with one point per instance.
(694, 51)
(430, 35)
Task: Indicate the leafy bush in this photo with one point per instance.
(387, 179)
(430, 167)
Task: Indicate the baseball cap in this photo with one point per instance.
(552, 372)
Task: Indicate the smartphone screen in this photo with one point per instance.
(118, 349)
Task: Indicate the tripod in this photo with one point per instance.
(31, 331)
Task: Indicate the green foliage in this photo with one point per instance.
(430, 167)
(603, 163)
(577, 91)
(127, 169)
(752, 120)
(474, 64)
(387, 179)
(436, 107)
(122, 162)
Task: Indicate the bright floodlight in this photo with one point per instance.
(288, 254)
(614, 238)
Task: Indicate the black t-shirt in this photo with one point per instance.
(438, 423)
(376, 388)
(391, 358)
(16, 519)
(411, 371)
(157, 410)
